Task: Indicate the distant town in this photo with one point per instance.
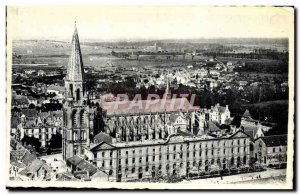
(60, 130)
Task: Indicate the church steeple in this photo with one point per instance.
(75, 68)
(74, 82)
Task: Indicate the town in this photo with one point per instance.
(62, 131)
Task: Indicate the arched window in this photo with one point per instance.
(232, 161)
(71, 89)
(140, 170)
(74, 118)
(82, 117)
(245, 160)
(77, 94)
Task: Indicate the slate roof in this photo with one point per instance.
(184, 133)
(65, 177)
(75, 70)
(221, 109)
(86, 166)
(33, 167)
(212, 126)
(74, 160)
(275, 140)
(102, 137)
(247, 114)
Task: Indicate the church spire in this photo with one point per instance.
(75, 69)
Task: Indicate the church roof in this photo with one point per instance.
(146, 106)
(75, 65)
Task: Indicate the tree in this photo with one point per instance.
(31, 141)
(56, 141)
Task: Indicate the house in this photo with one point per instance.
(20, 101)
(37, 170)
(84, 170)
(271, 150)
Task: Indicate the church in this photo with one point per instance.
(130, 143)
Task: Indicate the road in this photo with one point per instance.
(274, 174)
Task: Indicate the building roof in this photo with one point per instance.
(56, 88)
(33, 167)
(146, 106)
(184, 133)
(102, 137)
(74, 160)
(247, 114)
(275, 140)
(65, 177)
(173, 117)
(212, 127)
(86, 166)
(19, 100)
(29, 112)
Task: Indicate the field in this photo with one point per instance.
(98, 55)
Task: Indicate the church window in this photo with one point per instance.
(77, 94)
(82, 117)
(74, 118)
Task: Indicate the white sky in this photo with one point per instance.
(108, 23)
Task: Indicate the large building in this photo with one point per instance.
(139, 139)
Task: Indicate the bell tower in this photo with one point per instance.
(77, 115)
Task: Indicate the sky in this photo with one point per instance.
(115, 23)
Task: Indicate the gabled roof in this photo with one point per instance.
(239, 134)
(86, 166)
(247, 114)
(74, 160)
(102, 146)
(33, 167)
(212, 126)
(275, 140)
